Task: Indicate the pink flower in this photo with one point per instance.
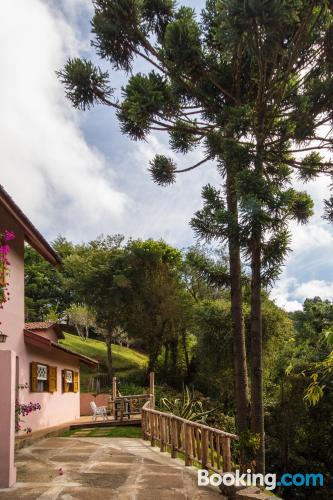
(8, 235)
(4, 249)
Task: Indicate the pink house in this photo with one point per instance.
(31, 356)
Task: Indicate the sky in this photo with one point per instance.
(74, 173)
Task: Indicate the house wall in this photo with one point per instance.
(57, 407)
(12, 314)
(11, 323)
(48, 334)
(87, 397)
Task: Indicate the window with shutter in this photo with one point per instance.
(34, 380)
(70, 381)
(64, 382)
(39, 377)
(52, 379)
(76, 381)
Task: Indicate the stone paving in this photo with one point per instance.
(101, 468)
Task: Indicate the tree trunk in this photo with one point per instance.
(257, 415)
(187, 359)
(174, 354)
(109, 357)
(241, 384)
(152, 360)
(166, 355)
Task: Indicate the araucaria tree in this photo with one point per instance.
(249, 83)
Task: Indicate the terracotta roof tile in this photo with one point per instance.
(40, 325)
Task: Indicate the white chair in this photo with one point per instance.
(98, 411)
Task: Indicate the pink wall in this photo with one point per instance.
(7, 427)
(86, 398)
(12, 314)
(57, 407)
(47, 334)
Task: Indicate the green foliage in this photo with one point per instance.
(85, 84)
(44, 288)
(253, 81)
(163, 170)
(187, 407)
(181, 44)
(300, 429)
(310, 167)
(182, 138)
(212, 221)
(302, 207)
(144, 98)
(249, 443)
(153, 297)
(110, 432)
(328, 209)
(158, 14)
(116, 26)
(129, 364)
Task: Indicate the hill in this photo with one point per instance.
(129, 364)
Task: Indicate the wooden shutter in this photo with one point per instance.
(64, 383)
(33, 377)
(76, 381)
(52, 377)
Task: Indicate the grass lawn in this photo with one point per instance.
(110, 432)
(127, 362)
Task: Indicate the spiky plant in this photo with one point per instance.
(188, 407)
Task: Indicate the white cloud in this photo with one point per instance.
(315, 288)
(47, 165)
(67, 185)
(290, 295)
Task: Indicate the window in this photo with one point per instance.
(43, 378)
(70, 381)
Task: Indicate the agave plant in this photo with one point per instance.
(187, 407)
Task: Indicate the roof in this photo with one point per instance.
(31, 234)
(43, 326)
(48, 345)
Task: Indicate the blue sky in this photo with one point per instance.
(74, 173)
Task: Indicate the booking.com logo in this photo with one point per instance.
(268, 481)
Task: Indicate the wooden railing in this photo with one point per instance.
(197, 442)
(125, 406)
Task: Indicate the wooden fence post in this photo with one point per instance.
(187, 444)
(114, 395)
(152, 389)
(226, 453)
(143, 424)
(174, 436)
(162, 433)
(204, 448)
(152, 429)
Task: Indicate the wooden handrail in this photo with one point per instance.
(197, 442)
(134, 396)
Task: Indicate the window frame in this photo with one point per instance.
(72, 387)
(50, 386)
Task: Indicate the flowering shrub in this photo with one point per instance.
(5, 237)
(24, 409)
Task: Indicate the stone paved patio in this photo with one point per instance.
(102, 468)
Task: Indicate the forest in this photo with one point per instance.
(246, 85)
(175, 306)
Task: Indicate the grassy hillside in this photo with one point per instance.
(128, 363)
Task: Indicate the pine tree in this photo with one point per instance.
(251, 83)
